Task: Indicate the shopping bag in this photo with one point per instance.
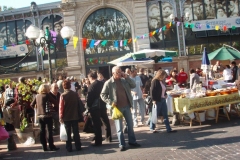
(88, 126)
(154, 114)
(3, 134)
(63, 133)
(117, 114)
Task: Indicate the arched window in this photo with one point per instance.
(106, 30)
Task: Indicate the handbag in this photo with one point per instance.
(3, 133)
(148, 100)
(88, 127)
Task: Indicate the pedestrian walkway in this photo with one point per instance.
(209, 141)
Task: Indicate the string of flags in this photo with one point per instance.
(93, 42)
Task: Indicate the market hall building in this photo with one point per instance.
(108, 29)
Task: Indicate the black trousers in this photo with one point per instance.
(56, 124)
(99, 116)
(95, 115)
(43, 139)
(105, 120)
(72, 126)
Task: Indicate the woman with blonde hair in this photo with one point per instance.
(42, 101)
(158, 94)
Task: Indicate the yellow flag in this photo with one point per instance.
(135, 39)
(75, 41)
(170, 24)
(154, 32)
(216, 27)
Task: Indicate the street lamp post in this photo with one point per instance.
(44, 40)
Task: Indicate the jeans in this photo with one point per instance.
(119, 126)
(43, 122)
(72, 126)
(162, 108)
(56, 123)
(141, 110)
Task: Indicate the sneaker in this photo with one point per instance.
(136, 145)
(122, 148)
(153, 131)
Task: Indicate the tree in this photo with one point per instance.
(5, 8)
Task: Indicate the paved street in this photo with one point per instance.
(209, 141)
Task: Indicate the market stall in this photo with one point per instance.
(191, 105)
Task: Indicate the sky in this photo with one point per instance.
(23, 3)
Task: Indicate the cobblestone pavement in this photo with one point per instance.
(208, 141)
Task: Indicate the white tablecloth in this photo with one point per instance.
(169, 101)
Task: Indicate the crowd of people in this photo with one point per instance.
(61, 102)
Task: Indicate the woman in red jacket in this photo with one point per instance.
(182, 78)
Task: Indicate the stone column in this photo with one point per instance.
(140, 25)
(73, 60)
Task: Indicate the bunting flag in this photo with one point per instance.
(92, 43)
(75, 41)
(54, 36)
(97, 43)
(84, 43)
(130, 40)
(104, 42)
(116, 44)
(153, 33)
(27, 42)
(4, 48)
(65, 42)
(124, 42)
(163, 28)
(224, 28)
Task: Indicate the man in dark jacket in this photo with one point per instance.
(55, 109)
(97, 109)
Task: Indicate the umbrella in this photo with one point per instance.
(141, 57)
(205, 66)
(224, 53)
(127, 61)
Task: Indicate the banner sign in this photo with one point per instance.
(14, 51)
(212, 23)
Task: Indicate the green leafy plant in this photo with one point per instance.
(23, 124)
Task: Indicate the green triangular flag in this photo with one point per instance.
(186, 25)
(163, 28)
(125, 42)
(233, 27)
(104, 43)
(191, 25)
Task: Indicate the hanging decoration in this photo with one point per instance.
(224, 28)
(124, 42)
(92, 43)
(4, 48)
(27, 42)
(75, 41)
(54, 36)
(65, 42)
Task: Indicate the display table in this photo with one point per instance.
(190, 105)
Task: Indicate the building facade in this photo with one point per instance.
(108, 29)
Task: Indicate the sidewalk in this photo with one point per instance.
(209, 141)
